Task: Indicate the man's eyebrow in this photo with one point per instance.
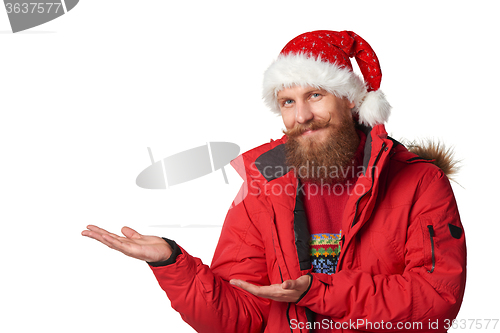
(316, 89)
(305, 93)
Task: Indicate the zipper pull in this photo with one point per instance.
(431, 230)
(431, 234)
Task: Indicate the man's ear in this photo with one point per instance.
(350, 104)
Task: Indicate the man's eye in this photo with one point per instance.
(288, 102)
(315, 95)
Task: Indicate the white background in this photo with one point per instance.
(83, 96)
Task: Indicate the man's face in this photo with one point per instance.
(322, 139)
(311, 111)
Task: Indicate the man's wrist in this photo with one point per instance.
(175, 252)
(308, 287)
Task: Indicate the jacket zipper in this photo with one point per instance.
(371, 186)
(359, 199)
(431, 234)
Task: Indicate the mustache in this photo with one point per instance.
(298, 129)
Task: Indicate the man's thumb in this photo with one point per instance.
(130, 233)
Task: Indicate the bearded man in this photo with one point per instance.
(337, 226)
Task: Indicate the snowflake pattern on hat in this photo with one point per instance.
(338, 47)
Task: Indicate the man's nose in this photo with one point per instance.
(303, 113)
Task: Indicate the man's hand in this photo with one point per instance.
(135, 245)
(288, 291)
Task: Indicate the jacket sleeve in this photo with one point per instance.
(203, 296)
(429, 289)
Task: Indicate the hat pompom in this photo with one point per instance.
(374, 109)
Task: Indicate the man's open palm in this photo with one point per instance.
(147, 248)
(288, 291)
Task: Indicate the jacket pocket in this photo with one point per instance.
(442, 242)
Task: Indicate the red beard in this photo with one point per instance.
(325, 162)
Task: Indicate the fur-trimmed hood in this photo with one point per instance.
(442, 156)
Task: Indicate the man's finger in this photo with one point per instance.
(97, 233)
(253, 289)
(260, 291)
(274, 291)
(99, 230)
(111, 240)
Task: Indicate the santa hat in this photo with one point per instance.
(321, 59)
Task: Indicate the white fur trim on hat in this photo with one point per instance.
(303, 70)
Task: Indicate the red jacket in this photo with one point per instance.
(402, 262)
